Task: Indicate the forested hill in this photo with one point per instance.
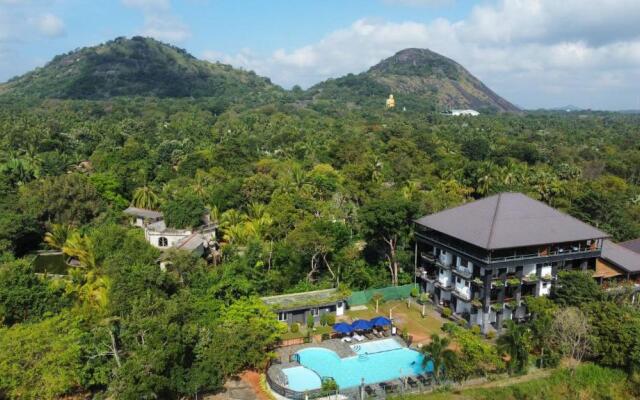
(135, 67)
(418, 78)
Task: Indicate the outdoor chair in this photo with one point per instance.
(412, 382)
(369, 391)
(369, 336)
(358, 337)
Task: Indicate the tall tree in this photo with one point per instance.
(386, 220)
(439, 354)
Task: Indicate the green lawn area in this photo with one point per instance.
(410, 318)
(587, 382)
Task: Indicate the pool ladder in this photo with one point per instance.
(356, 348)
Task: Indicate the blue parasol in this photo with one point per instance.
(342, 327)
(380, 321)
(361, 325)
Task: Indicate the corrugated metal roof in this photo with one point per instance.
(142, 212)
(509, 220)
(633, 245)
(621, 256)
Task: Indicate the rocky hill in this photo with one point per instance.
(419, 78)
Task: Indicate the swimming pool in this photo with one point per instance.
(379, 361)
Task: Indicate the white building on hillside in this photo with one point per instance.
(468, 112)
(157, 233)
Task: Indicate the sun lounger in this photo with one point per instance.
(358, 337)
(369, 336)
(346, 339)
(369, 390)
(377, 333)
(386, 333)
(412, 382)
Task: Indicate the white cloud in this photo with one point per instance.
(49, 25)
(159, 20)
(533, 52)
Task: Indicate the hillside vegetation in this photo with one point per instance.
(135, 67)
(421, 80)
(586, 382)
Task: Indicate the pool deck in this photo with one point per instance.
(338, 346)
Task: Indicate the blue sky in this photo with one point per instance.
(536, 53)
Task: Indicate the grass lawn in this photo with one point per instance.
(587, 382)
(403, 317)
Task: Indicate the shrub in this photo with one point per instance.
(491, 335)
(295, 328)
(323, 320)
(414, 292)
(475, 329)
(462, 323)
(329, 386)
(446, 312)
(326, 336)
(310, 321)
(331, 319)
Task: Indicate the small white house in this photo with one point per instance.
(468, 112)
(162, 237)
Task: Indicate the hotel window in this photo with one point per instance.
(315, 312)
(163, 242)
(282, 316)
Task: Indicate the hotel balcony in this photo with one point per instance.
(463, 272)
(462, 294)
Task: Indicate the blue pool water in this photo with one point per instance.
(379, 361)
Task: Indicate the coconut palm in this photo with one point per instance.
(81, 248)
(439, 353)
(230, 218)
(145, 197)
(516, 342)
(256, 210)
(57, 236)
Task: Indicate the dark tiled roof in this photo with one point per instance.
(509, 220)
(621, 256)
(143, 213)
(633, 245)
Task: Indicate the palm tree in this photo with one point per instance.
(57, 236)
(439, 353)
(81, 247)
(516, 341)
(145, 197)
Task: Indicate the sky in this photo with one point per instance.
(535, 53)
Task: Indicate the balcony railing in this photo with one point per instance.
(465, 273)
(461, 294)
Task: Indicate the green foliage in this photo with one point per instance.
(587, 381)
(329, 386)
(69, 199)
(441, 357)
(135, 67)
(42, 360)
(516, 342)
(575, 288)
(310, 321)
(295, 328)
(26, 297)
(446, 312)
(615, 335)
(183, 212)
(476, 357)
